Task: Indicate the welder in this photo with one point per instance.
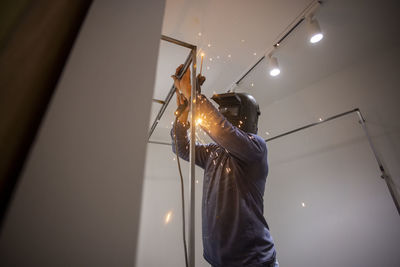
(234, 230)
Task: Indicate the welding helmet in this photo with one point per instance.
(240, 109)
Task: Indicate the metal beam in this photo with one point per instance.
(177, 42)
(191, 59)
(312, 124)
(170, 94)
(394, 193)
(192, 177)
(393, 189)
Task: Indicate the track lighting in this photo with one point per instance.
(273, 66)
(314, 36)
(314, 31)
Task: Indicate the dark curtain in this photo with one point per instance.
(36, 37)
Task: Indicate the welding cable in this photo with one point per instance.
(182, 193)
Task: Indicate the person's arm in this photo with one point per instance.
(179, 132)
(242, 145)
(180, 127)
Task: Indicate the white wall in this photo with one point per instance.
(161, 195)
(349, 218)
(78, 200)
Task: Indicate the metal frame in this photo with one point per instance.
(190, 60)
(384, 174)
(171, 92)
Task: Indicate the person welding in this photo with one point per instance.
(234, 230)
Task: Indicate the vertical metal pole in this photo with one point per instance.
(192, 178)
(384, 175)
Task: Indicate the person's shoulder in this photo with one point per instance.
(258, 139)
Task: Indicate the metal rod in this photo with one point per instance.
(191, 59)
(192, 155)
(384, 175)
(312, 124)
(169, 95)
(298, 129)
(177, 42)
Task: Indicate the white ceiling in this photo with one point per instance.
(353, 30)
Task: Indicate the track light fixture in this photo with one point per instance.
(314, 36)
(314, 31)
(273, 66)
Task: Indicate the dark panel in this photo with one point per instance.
(36, 38)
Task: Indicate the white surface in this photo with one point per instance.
(78, 200)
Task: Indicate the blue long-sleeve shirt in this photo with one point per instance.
(235, 232)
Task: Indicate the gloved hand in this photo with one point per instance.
(183, 84)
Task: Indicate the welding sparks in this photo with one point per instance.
(199, 121)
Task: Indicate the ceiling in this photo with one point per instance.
(236, 33)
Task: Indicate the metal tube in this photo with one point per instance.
(384, 175)
(312, 124)
(192, 157)
(170, 95)
(177, 42)
(292, 131)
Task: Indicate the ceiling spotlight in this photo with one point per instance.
(314, 31)
(273, 66)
